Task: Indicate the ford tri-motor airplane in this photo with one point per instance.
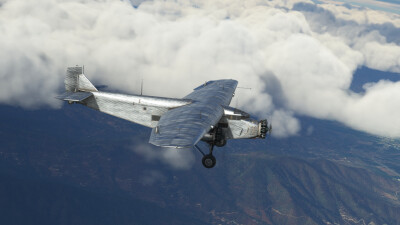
(203, 115)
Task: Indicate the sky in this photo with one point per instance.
(298, 57)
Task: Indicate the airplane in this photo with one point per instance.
(203, 115)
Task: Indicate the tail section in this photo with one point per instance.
(77, 86)
(76, 81)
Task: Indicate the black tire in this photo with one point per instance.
(209, 161)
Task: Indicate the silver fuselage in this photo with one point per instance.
(147, 110)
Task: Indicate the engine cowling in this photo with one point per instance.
(263, 129)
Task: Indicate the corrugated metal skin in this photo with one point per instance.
(239, 129)
(75, 80)
(84, 84)
(134, 108)
(185, 126)
(182, 122)
(219, 92)
(74, 96)
(71, 78)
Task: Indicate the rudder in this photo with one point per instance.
(76, 81)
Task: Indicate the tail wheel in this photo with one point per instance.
(209, 161)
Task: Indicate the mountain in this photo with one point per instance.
(78, 166)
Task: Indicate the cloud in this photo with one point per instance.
(181, 159)
(297, 56)
(372, 40)
(288, 125)
(151, 177)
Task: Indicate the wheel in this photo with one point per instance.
(209, 161)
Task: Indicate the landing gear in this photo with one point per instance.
(208, 160)
(215, 137)
(220, 143)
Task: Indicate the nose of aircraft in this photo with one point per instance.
(263, 128)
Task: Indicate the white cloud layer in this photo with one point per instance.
(181, 159)
(297, 56)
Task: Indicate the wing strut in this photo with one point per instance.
(198, 149)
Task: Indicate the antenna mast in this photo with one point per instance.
(237, 96)
(141, 88)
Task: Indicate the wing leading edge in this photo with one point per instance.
(218, 91)
(185, 126)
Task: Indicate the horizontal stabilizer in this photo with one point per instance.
(74, 96)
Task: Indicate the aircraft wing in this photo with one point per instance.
(218, 91)
(185, 126)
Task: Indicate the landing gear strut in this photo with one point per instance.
(208, 160)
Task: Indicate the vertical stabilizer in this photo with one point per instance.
(75, 80)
